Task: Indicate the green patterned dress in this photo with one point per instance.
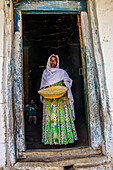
(58, 126)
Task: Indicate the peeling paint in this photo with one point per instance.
(104, 114)
(37, 6)
(16, 19)
(8, 3)
(12, 83)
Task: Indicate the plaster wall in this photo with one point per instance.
(105, 23)
(2, 105)
(104, 11)
(7, 151)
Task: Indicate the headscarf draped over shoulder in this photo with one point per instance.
(54, 75)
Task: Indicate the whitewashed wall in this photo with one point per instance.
(104, 9)
(2, 117)
(7, 144)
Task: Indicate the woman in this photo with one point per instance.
(58, 114)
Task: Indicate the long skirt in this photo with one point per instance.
(58, 126)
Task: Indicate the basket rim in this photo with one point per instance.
(53, 87)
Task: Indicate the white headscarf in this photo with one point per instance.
(54, 75)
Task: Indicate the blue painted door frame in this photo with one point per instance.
(32, 7)
(46, 7)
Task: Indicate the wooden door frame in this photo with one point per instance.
(61, 7)
(57, 7)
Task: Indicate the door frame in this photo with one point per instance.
(54, 7)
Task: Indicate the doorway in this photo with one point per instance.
(44, 35)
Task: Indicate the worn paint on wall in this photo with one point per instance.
(7, 143)
(8, 77)
(105, 18)
(104, 11)
(105, 117)
(93, 100)
(16, 20)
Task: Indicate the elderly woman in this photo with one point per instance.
(58, 114)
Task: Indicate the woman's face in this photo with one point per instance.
(53, 61)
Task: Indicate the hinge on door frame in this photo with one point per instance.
(80, 71)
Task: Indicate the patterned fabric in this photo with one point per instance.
(53, 75)
(58, 126)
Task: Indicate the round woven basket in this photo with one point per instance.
(53, 92)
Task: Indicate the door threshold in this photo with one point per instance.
(76, 163)
(54, 155)
(58, 150)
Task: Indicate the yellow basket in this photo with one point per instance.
(53, 92)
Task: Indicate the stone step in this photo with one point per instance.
(78, 163)
(52, 155)
(98, 167)
(90, 162)
(106, 165)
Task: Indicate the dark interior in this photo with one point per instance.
(44, 35)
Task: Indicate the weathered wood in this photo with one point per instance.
(8, 84)
(97, 167)
(83, 71)
(93, 101)
(55, 6)
(18, 84)
(58, 154)
(26, 74)
(106, 122)
(80, 162)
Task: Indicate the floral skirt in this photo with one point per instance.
(58, 126)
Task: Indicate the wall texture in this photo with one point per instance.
(2, 105)
(104, 11)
